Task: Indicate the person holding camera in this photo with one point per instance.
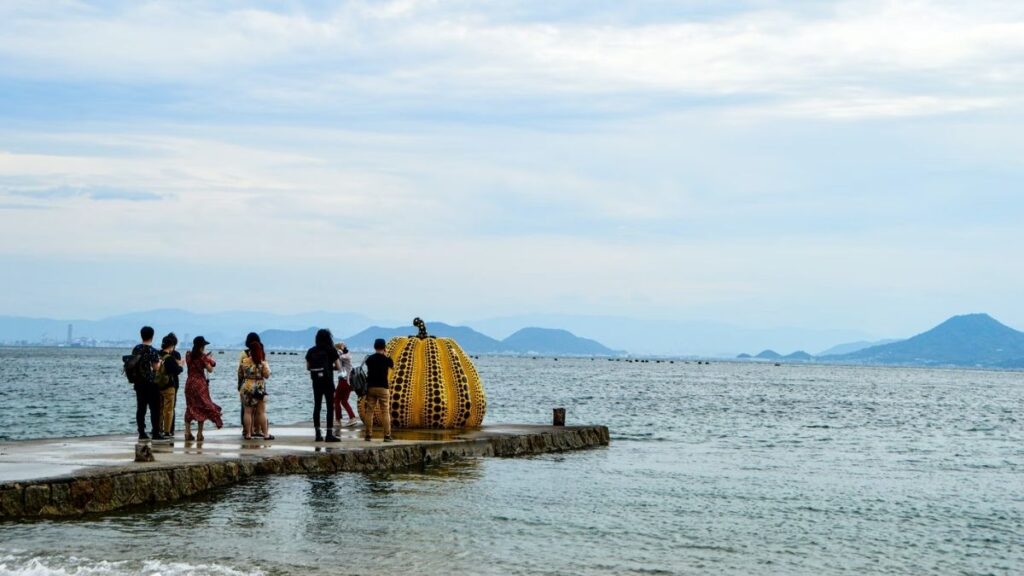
(199, 407)
(253, 370)
(344, 389)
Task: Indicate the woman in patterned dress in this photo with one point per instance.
(253, 371)
(198, 404)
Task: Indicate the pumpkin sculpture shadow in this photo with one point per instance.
(434, 384)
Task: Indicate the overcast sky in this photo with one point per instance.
(818, 164)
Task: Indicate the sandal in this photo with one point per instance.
(269, 437)
(199, 437)
(190, 438)
(246, 437)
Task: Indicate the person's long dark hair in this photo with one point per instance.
(324, 339)
(197, 352)
(255, 348)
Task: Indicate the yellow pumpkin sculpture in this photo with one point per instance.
(434, 383)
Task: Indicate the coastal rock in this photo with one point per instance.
(182, 481)
(36, 497)
(12, 501)
(81, 493)
(199, 477)
(60, 498)
(123, 490)
(103, 493)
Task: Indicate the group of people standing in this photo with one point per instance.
(326, 357)
(158, 382)
(157, 386)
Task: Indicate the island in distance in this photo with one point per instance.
(970, 340)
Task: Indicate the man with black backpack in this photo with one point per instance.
(145, 361)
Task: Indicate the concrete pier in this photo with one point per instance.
(68, 477)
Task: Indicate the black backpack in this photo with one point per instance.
(358, 380)
(133, 368)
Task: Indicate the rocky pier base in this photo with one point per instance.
(101, 482)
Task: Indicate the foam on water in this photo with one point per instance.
(21, 563)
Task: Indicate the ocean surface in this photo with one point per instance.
(727, 468)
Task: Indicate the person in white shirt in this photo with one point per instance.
(342, 392)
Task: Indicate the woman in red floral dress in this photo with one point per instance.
(198, 404)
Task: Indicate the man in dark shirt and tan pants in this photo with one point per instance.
(378, 396)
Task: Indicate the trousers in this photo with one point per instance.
(341, 395)
(147, 396)
(323, 391)
(378, 401)
(168, 401)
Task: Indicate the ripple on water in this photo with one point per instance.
(726, 469)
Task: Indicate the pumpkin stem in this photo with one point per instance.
(423, 328)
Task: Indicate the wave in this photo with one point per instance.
(17, 563)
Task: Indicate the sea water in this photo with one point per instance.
(727, 468)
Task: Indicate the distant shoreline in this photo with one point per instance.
(637, 359)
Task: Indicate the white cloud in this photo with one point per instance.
(502, 165)
(943, 53)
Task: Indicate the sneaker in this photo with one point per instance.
(333, 438)
(337, 431)
(389, 439)
(367, 437)
(143, 436)
(319, 437)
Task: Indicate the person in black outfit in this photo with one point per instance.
(146, 393)
(378, 396)
(321, 361)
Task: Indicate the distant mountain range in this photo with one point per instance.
(799, 355)
(278, 330)
(525, 341)
(220, 328)
(970, 340)
(661, 336)
(637, 336)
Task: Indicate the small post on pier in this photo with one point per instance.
(559, 417)
(144, 452)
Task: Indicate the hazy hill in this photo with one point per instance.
(552, 341)
(968, 340)
(798, 356)
(470, 340)
(850, 347)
